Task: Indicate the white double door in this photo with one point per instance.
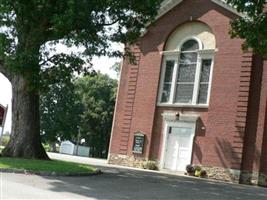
(179, 144)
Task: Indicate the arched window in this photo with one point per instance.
(187, 72)
(186, 75)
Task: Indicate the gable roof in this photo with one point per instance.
(2, 106)
(167, 5)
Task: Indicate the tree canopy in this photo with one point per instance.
(29, 33)
(30, 28)
(97, 95)
(86, 104)
(253, 26)
(61, 111)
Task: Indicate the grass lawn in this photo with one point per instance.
(44, 166)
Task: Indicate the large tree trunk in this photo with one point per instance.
(25, 141)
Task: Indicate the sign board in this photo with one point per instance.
(2, 115)
(138, 143)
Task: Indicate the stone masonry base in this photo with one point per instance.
(217, 173)
(253, 178)
(262, 181)
(124, 160)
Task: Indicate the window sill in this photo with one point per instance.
(182, 105)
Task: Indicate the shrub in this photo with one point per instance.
(46, 147)
(150, 164)
(203, 174)
(5, 140)
(190, 169)
(197, 171)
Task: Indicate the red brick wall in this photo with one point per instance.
(255, 119)
(262, 125)
(263, 158)
(124, 105)
(225, 118)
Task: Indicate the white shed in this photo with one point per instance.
(67, 147)
(82, 151)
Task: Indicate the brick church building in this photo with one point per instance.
(193, 97)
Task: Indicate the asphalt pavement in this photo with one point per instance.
(123, 183)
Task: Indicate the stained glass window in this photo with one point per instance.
(191, 81)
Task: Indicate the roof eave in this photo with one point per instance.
(167, 5)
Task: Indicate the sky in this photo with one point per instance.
(102, 64)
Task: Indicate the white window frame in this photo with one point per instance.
(175, 56)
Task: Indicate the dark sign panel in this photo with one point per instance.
(2, 114)
(138, 143)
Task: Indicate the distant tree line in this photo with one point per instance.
(81, 106)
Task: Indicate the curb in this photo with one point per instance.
(44, 173)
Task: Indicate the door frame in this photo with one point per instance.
(167, 124)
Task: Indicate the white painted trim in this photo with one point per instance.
(167, 5)
(168, 124)
(223, 4)
(170, 53)
(162, 75)
(174, 55)
(197, 80)
(163, 148)
(182, 105)
(177, 52)
(170, 116)
(181, 117)
(209, 56)
(192, 37)
(174, 78)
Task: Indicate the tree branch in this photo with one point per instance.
(4, 70)
(110, 23)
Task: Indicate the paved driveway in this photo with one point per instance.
(117, 183)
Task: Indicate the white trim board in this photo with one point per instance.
(167, 5)
(177, 123)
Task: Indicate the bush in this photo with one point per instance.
(196, 171)
(51, 147)
(4, 140)
(190, 169)
(203, 174)
(150, 164)
(46, 147)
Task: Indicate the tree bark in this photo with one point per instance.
(25, 141)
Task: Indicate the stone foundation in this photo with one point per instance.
(253, 178)
(124, 160)
(262, 181)
(249, 178)
(219, 173)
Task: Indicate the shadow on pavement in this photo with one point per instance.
(129, 184)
